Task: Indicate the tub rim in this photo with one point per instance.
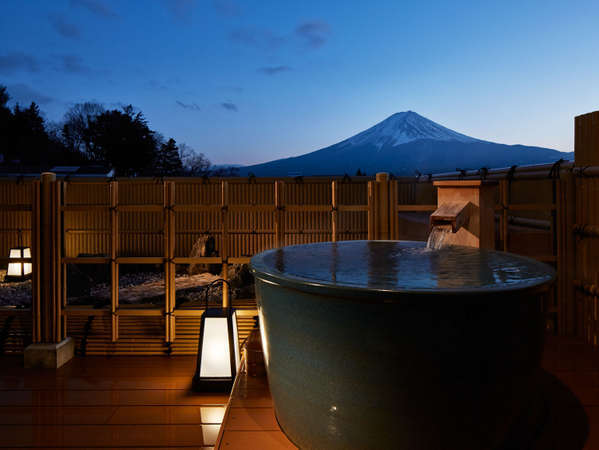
(268, 275)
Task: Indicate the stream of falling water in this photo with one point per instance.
(436, 238)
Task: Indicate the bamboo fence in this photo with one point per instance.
(543, 211)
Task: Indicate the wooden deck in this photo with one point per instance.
(107, 402)
(141, 402)
(571, 368)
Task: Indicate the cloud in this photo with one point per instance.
(72, 64)
(227, 7)
(181, 9)
(235, 89)
(97, 7)
(255, 37)
(154, 84)
(17, 61)
(189, 106)
(229, 106)
(273, 70)
(64, 28)
(314, 33)
(24, 95)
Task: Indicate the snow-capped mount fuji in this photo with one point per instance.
(404, 127)
(403, 143)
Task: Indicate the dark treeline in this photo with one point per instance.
(90, 134)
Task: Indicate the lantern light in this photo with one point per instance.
(218, 348)
(19, 270)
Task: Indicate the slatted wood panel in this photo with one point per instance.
(15, 197)
(143, 335)
(587, 260)
(253, 220)
(15, 331)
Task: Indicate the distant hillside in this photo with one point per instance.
(401, 144)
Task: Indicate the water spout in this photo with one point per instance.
(454, 214)
(436, 238)
(447, 220)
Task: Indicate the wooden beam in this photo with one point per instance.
(334, 209)
(37, 264)
(114, 267)
(416, 208)
(370, 193)
(47, 276)
(170, 241)
(505, 187)
(225, 240)
(280, 213)
(393, 213)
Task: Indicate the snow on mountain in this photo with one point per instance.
(402, 144)
(403, 127)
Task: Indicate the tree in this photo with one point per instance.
(5, 121)
(4, 97)
(195, 164)
(29, 143)
(168, 162)
(229, 171)
(122, 140)
(76, 122)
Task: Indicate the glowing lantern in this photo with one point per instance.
(19, 270)
(218, 348)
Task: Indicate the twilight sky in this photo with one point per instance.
(247, 81)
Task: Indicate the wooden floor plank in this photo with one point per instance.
(146, 402)
(107, 402)
(150, 397)
(108, 435)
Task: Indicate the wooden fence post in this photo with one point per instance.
(382, 223)
(57, 275)
(504, 195)
(52, 349)
(371, 211)
(224, 240)
(566, 263)
(280, 213)
(334, 212)
(393, 218)
(114, 267)
(36, 272)
(169, 253)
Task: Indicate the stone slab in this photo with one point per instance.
(49, 356)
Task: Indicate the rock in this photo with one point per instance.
(241, 281)
(239, 275)
(205, 246)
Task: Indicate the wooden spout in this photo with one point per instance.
(453, 214)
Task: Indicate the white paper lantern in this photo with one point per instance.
(19, 270)
(218, 351)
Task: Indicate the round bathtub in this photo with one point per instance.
(387, 344)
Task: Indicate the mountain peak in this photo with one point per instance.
(403, 127)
